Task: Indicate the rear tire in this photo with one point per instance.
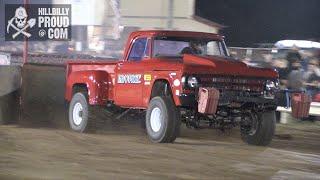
(81, 114)
(264, 130)
(162, 120)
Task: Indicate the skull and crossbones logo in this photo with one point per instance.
(20, 24)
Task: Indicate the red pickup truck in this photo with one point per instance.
(165, 73)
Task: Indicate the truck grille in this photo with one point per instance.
(253, 85)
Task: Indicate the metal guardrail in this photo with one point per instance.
(53, 58)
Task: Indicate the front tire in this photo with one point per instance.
(162, 120)
(261, 129)
(81, 114)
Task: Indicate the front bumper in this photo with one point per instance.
(190, 100)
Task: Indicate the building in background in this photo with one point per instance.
(102, 26)
(115, 19)
(163, 14)
(125, 16)
(158, 14)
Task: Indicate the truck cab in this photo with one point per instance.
(165, 73)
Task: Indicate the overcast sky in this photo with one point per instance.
(260, 21)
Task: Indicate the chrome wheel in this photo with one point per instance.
(77, 113)
(155, 119)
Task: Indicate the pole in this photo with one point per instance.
(115, 5)
(25, 59)
(25, 42)
(170, 15)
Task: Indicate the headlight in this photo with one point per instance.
(272, 85)
(192, 82)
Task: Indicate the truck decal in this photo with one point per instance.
(147, 77)
(129, 78)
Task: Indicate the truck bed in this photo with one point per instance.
(85, 65)
(90, 65)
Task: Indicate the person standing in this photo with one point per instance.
(295, 77)
(312, 77)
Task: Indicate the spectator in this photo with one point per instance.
(312, 77)
(292, 56)
(295, 77)
(268, 58)
(266, 61)
(312, 68)
(306, 55)
(281, 65)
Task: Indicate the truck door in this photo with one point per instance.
(129, 74)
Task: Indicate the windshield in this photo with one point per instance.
(177, 46)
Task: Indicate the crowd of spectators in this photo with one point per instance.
(298, 69)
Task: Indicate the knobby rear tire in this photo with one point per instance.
(264, 132)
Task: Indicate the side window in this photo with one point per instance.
(140, 49)
(213, 48)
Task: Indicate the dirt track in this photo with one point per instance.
(122, 151)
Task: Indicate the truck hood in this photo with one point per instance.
(223, 66)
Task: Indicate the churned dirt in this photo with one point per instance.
(121, 150)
